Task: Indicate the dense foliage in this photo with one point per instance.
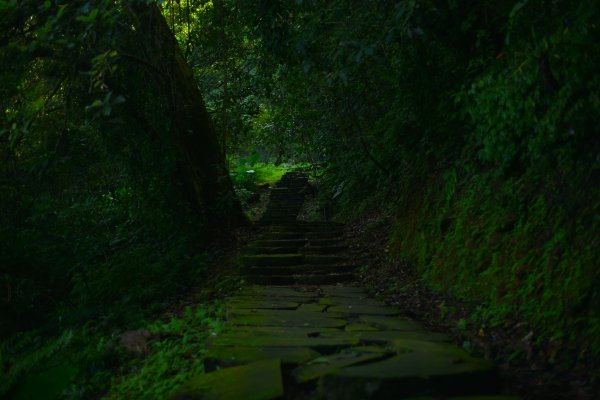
(476, 122)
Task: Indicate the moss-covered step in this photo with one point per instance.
(282, 330)
(250, 339)
(253, 250)
(321, 259)
(419, 368)
(285, 318)
(283, 235)
(391, 323)
(273, 259)
(253, 303)
(279, 291)
(228, 356)
(343, 291)
(326, 364)
(302, 279)
(281, 243)
(260, 380)
(325, 278)
(388, 337)
(324, 235)
(357, 309)
(326, 242)
(333, 249)
(312, 307)
(302, 269)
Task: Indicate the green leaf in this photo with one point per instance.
(7, 5)
(91, 17)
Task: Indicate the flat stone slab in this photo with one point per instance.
(228, 356)
(255, 381)
(283, 330)
(363, 310)
(343, 291)
(278, 291)
(388, 337)
(273, 259)
(420, 367)
(250, 303)
(390, 323)
(327, 364)
(312, 307)
(286, 318)
(250, 339)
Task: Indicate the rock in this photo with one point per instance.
(260, 380)
(136, 342)
(227, 356)
(419, 368)
(326, 364)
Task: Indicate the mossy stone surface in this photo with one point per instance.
(292, 319)
(326, 364)
(273, 259)
(250, 339)
(418, 368)
(228, 356)
(363, 310)
(260, 380)
(391, 323)
(251, 303)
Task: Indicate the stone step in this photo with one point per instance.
(283, 235)
(281, 242)
(324, 259)
(324, 235)
(254, 250)
(273, 259)
(300, 269)
(259, 380)
(316, 279)
(322, 249)
(418, 368)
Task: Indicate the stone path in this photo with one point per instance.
(301, 330)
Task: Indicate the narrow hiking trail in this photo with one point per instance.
(303, 330)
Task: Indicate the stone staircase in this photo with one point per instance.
(301, 330)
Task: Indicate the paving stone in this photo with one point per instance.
(255, 381)
(251, 339)
(363, 310)
(327, 364)
(263, 304)
(312, 307)
(283, 330)
(343, 291)
(229, 356)
(419, 368)
(383, 337)
(273, 259)
(320, 259)
(286, 318)
(357, 327)
(391, 323)
(279, 291)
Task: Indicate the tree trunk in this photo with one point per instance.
(201, 165)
